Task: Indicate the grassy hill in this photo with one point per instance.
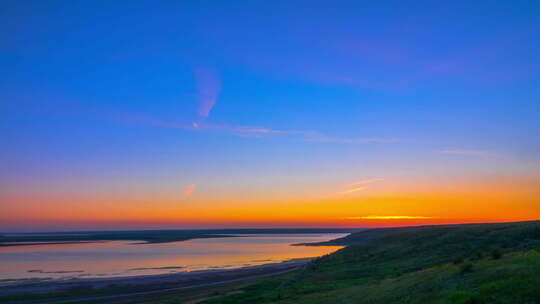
(481, 263)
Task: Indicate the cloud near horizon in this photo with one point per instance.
(387, 217)
(365, 181)
(467, 152)
(190, 189)
(353, 190)
(360, 185)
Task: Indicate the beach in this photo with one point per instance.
(136, 286)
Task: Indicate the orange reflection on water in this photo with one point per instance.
(122, 258)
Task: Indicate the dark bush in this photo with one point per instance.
(496, 254)
(536, 233)
(467, 267)
(477, 256)
(474, 300)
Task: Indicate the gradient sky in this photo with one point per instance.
(181, 114)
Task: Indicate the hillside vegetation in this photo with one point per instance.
(481, 263)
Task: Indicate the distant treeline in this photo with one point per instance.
(150, 236)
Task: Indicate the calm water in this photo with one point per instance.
(126, 258)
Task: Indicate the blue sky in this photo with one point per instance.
(146, 97)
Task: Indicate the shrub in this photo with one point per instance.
(496, 254)
(536, 234)
(478, 256)
(467, 267)
(474, 300)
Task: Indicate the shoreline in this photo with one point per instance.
(153, 283)
(150, 236)
(144, 239)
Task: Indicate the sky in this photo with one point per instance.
(210, 114)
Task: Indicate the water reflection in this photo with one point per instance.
(126, 258)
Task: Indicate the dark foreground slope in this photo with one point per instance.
(484, 263)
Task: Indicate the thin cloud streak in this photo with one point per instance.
(466, 152)
(190, 189)
(365, 182)
(360, 185)
(387, 217)
(208, 88)
(353, 190)
(255, 131)
(318, 137)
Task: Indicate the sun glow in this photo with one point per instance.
(388, 217)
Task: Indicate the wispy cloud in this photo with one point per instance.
(190, 189)
(388, 217)
(254, 131)
(365, 181)
(208, 87)
(319, 137)
(353, 190)
(467, 152)
(243, 131)
(359, 185)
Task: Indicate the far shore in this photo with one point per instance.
(6, 241)
(148, 236)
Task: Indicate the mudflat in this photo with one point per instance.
(140, 285)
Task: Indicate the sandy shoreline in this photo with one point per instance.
(150, 282)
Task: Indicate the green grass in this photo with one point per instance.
(469, 264)
(463, 264)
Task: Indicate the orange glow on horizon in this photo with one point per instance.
(388, 217)
(393, 205)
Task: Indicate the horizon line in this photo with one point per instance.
(377, 226)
